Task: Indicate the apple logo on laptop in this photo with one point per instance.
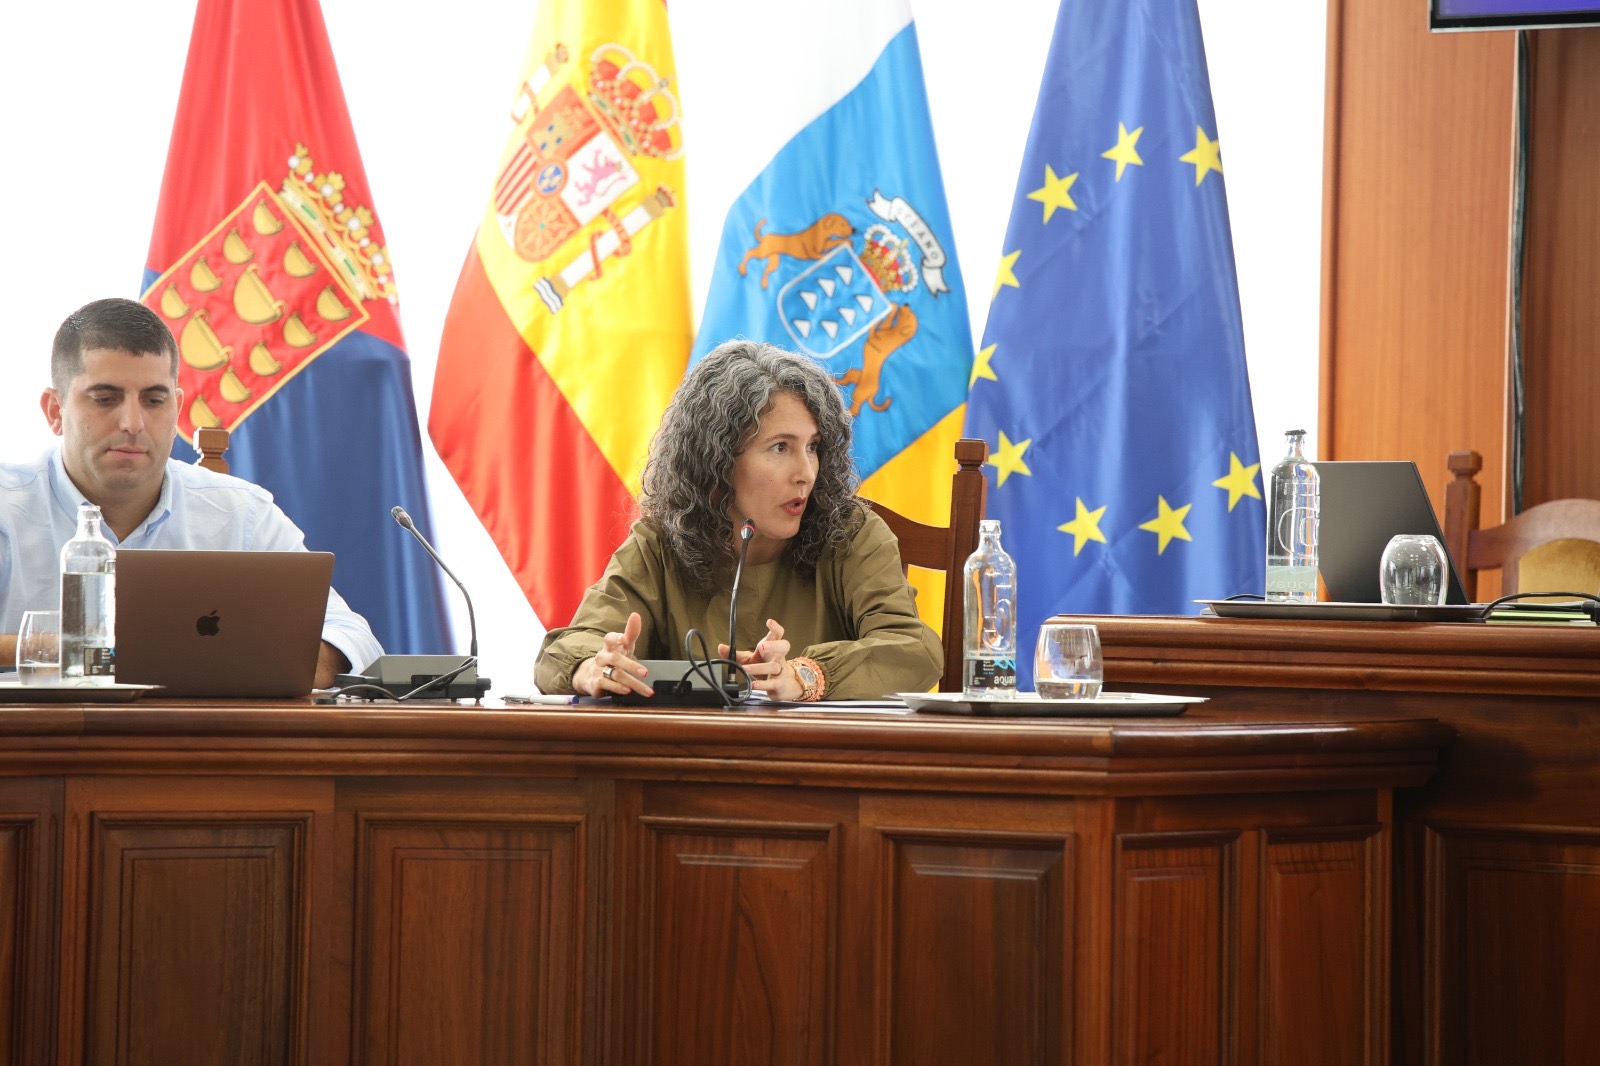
(208, 625)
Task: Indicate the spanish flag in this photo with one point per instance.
(570, 328)
(269, 263)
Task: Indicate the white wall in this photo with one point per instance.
(88, 90)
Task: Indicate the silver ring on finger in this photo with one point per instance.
(607, 672)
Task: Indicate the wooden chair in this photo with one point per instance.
(946, 547)
(211, 443)
(1554, 545)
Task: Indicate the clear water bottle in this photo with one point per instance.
(88, 606)
(1293, 509)
(989, 669)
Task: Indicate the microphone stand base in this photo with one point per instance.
(400, 674)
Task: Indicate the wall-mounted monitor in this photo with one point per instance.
(1511, 14)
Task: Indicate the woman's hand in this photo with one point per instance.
(768, 664)
(613, 670)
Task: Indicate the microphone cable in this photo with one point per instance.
(702, 663)
(1587, 602)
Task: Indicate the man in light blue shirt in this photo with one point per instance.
(114, 402)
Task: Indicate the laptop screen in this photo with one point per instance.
(1364, 504)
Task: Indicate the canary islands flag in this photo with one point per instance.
(269, 264)
(1111, 380)
(569, 327)
(841, 248)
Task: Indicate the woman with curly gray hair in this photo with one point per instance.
(754, 435)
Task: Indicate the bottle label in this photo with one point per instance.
(1299, 582)
(99, 661)
(998, 676)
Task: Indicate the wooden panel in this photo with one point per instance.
(1561, 314)
(470, 940)
(633, 887)
(1176, 965)
(1321, 900)
(1512, 968)
(1415, 246)
(1496, 898)
(30, 826)
(196, 939)
(739, 934)
(976, 971)
(1396, 656)
(18, 845)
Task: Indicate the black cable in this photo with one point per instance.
(358, 690)
(442, 680)
(700, 665)
(1588, 603)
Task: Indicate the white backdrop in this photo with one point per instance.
(88, 90)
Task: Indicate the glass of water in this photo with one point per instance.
(1066, 662)
(39, 648)
(1413, 572)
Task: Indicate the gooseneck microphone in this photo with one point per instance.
(747, 533)
(403, 677)
(399, 515)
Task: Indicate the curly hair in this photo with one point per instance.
(688, 477)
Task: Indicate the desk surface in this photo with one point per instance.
(1196, 751)
(1382, 656)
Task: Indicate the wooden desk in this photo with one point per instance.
(281, 883)
(1497, 860)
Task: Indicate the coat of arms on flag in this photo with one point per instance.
(278, 281)
(847, 290)
(573, 164)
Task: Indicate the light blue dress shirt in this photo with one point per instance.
(197, 509)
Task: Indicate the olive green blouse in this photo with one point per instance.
(856, 616)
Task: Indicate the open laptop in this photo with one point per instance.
(1364, 504)
(221, 623)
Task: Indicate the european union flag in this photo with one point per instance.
(1111, 380)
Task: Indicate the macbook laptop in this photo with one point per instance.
(221, 623)
(1364, 504)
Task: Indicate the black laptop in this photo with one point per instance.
(1364, 504)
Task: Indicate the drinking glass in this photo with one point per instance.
(1413, 571)
(1066, 662)
(39, 648)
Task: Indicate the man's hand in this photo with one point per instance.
(330, 662)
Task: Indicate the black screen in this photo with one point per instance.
(1511, 14)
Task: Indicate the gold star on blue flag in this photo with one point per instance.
(1117, 309)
